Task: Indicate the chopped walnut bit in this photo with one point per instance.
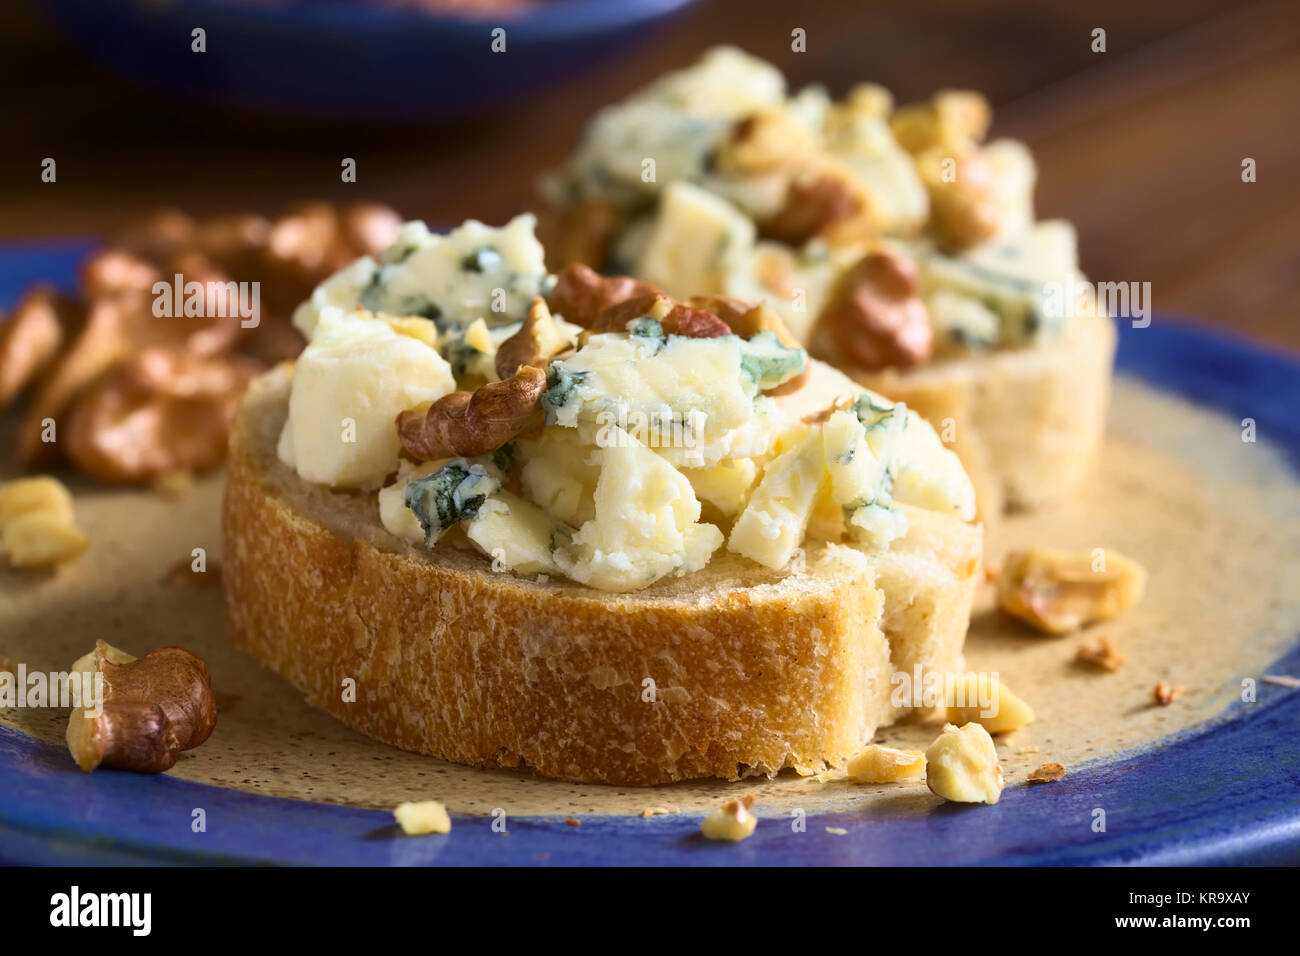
(951, 119)
(467, 424)
(765, 141)
(964, 209)
(572, 822)
(578, 233)
(875, 316)
(581, 294)
(1047, 773)
(29, 339)
(37, 526)
(879, 764)
(1281, 680)
(419, 819)
(1060, 591)
(538, 341)
(1004, 713)
(672, 316)
(731, 822)
(1103, 655)
(962, 765)
(7, 665)
(660, 811)
(165, 410)
(822, 202)
(1164, 694)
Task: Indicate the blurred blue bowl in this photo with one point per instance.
(343, 59)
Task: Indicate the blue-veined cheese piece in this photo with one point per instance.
(349, 384)
(1010, 277)
(449, 495)
(646, 523)
(473, 272)
(696, 399)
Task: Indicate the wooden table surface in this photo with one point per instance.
(1140, 146)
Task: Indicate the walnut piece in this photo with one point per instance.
(581, 294)
(165, 410)
(37, 527)
(424, 817)
(964, 209)
(538, 341)
(466, 424)
(962, 765)
(1060, 591)
(29, 339)
(1103, 655)
(950, 120)
(985, 700)
(879, 764)
(1164, 694)
(152, 709)
(731, 822)
(875, 317)
(1047, 773)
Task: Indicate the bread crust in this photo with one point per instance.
(752, 671)
(1026, 423)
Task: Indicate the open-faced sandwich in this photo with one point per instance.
(510, 518)
(895, 244)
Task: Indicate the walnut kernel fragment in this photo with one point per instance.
(1165, 694)
(665, 810)
(1047, 773)
(1102, 655)
(572, 822)
(731, 822)
(1060, 591)
(875, 317)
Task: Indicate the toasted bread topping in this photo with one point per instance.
(762, 193)
(592, 460)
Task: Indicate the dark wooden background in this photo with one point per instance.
(1140, 146)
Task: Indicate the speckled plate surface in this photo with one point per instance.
(1217, 781)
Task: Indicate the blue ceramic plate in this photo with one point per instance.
(347, 59)
(1182, 801)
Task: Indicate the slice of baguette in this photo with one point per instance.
(731, 671)
(1026, 423)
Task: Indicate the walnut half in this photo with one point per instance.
(466, 424)
(875, 318)
(1060, 591)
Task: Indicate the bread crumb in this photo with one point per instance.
(838, 831)
(418, 819)
(1047, 773)
(1103, 655)
(1027, 750)
(1164, 694)
(1281, 680)
(660, 811)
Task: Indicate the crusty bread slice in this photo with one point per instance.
(731, 671)
(1026, 423)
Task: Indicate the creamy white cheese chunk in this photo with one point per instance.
(349, 384)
